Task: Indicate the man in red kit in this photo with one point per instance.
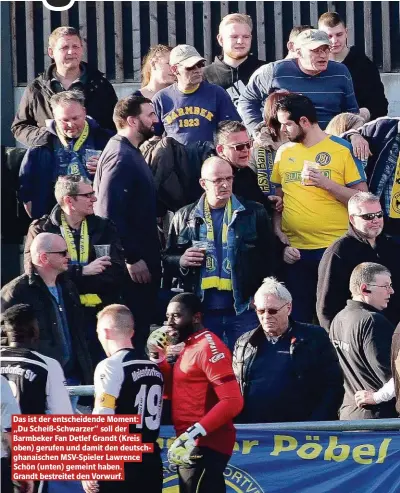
(205, 396)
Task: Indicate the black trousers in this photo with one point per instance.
(6, 482)
(207, 475)
(141, 299)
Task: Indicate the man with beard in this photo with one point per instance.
(316, 174)
(363, 242)
(191, 109)
(205, 396)
(233, 69)
(126, 194)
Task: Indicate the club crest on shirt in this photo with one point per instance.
(323, 158)
(216, 357)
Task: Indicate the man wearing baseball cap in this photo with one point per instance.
(328, 84)
(191, 109)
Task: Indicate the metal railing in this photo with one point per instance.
(118, 34)
(356, 425)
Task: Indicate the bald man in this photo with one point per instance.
(57, 307)
(222, 248)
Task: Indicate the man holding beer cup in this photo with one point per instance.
(315, 174)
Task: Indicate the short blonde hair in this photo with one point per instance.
(236, 19)
(63, 31)
(121, 318)
(343, 122)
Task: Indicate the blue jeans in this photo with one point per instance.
(228, 326)
(301, 279)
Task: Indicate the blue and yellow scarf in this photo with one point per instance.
(212, 274)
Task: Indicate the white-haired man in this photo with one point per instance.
(287, 371)
(233, 69)
(191, 109)
(363, 242)
(362, 337)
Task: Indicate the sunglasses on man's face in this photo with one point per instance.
(241, 146)
(270, 311)
(88, 195)
(63, 253)
(198, 65)
(370, 215)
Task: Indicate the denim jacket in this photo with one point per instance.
(251, 248)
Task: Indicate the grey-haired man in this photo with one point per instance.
(328, 84)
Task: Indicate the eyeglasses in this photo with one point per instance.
(370, 215)
(270, 311)
(220, 181)
(63, 253)
(241, 146)
(388, 287)
(88, 195)
(197, 65)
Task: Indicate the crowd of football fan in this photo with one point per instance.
(254, 207)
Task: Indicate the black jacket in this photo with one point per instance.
(232, 79)
(315, 362)
(338, 263)
(381, 135)
(126, 194)
(368, 87)
(30, 289)
(245, 185)
(101, 232)
(252, 259)
(396, 365)
(34, 108)
(362, 337)
(176, 170)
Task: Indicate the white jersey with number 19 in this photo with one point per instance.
(125, 385)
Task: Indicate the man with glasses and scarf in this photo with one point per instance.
(287, 370)
(191, 109)
(97, 263)
(363, 242)
(221, 247)
(55, 301)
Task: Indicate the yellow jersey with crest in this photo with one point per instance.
(312, 217)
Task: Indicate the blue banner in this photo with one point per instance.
(305, 462)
